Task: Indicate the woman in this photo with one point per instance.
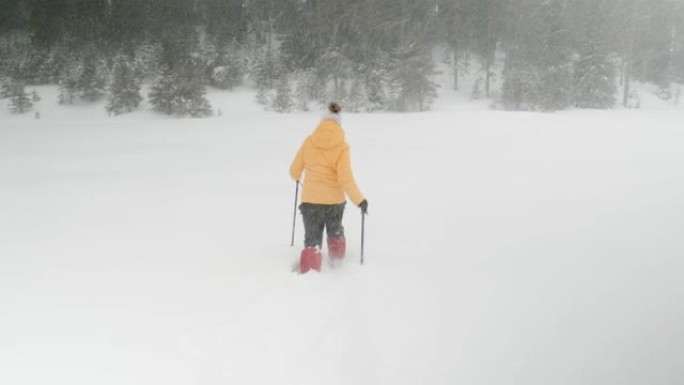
(324, 156)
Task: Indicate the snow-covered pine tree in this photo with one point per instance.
(301, 95)
(20, 101)
(146, 62)
(34, 96)
(356, 98)
(58, 59)
(333, 67)
(91, 81)
(375, 77)
(283, 101)
(555, 88)
(677, 94)
(519, 90)
(68, 85)
(28, 62)
(163, 91)
(190, 100)
(266, 69)
(180, 94)
(553, 61)
(310, 87)
(595, 81)
(124, 88)
(190, 95)
(264, 96)
(376, 91)
(6, 88)
(476, 93)
(205, 53)
(230, 68)
(656, 25)
(538, 70)
(412, 75)
(226, 77)
(342, 94)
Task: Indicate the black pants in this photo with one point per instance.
(317, 217)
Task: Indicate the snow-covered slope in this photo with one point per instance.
(501, 248)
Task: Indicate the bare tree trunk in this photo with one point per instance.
(491, 51)
(625, 95)
(456, 66)
(466, 59)
(629, 54)
(488, 73)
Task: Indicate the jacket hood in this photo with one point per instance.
(328, 134)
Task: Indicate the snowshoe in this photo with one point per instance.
(310, 258)
(337, 247)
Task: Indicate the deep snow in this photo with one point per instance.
(501, 248)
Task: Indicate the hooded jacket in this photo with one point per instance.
(325, 157)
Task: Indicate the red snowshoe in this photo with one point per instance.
(337, 247)
(310, 258)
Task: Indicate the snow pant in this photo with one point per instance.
(318, 217)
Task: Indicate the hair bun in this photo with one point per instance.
(334, 107)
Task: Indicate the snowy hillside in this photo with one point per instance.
(501, 248)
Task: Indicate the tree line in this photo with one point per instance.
(371, 54)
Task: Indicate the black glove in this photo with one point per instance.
(364, 207)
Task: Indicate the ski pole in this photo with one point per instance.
(363, 231)
(294, 217)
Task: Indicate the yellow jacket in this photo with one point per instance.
(325, 157)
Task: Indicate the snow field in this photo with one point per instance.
(501, 248)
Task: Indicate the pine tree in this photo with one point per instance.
(266, 69)
(310, 87)
(376, 84)
(555, 87)
(356, 97)
(264, 96)
(553, 60)
(20, 101)
(342, 94)
(163, 91)
(538, 70)
(6, 89)
(191, 97)
(333, 67)
(301, 94)
(229, 70)
(654, 29)
(91, 80)
(595, 75)
(595, 81)
(180, 94)
(283, 100)
(226, 77)
(412, 76)
(476, 93)
(124, 89)
(68, 86)
(190, 100)
(519, 90)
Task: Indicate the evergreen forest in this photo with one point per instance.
(372, 55)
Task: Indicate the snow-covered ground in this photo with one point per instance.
(501, 248)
